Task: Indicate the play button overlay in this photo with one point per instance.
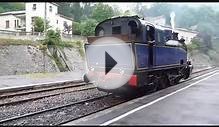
(110, 62)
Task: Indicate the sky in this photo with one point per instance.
(127, 5)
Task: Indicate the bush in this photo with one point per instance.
(88, 27)
(39, 24)
(195, 45)
(85, 28)
(76, 29)
(4, 41)
(52, 38)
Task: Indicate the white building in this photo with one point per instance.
(186, 34)
(182, 33)
(159, 20)
(23, 20)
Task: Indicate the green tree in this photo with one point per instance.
(116, 10)
(72, 10)
(195, 45)
(187, 18)
(127, 13)
(12, 6)
(158, 10)
(139, 9)
(88, 27)
(65, 9)
(87, 11)
(53, 38)
(76, 28)
(102, 12)
(39, 24)
(76, 11)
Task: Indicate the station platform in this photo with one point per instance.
(195, 102)
(34, 79)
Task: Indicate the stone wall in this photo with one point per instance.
(21, 59)
(74, 60)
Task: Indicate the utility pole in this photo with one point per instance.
(45, 20)
(44, 66)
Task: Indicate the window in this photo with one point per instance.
(150, 33)
(167, 35)
(116, 30)
(175, 36)
(50, 8)
(15, 23)
(133, 27)
(34, 6)
(160, 37)
(32, 20)
(7, 24)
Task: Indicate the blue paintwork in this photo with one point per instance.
(163, 56)
(167, 55)
(142, 55)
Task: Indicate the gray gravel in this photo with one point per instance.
(68, 113)
(34, 95)
(45, 103)
(40, 88)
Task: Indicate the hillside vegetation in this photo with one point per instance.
(11, 6)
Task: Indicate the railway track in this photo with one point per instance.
(53, 111)
(27, 90)
(39, 94)
(61, 114)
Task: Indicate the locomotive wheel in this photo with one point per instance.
(85, 78)
(187, 74)
(155, 85)
(163, 82)
(176, 81)
(152, 87)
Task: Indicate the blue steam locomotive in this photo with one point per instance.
(160, 57)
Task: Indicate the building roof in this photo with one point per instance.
(155, 18)
(65, 17)
(54, 3)
(152, 19)
(186, 30)
(13, 12)
(181, 29)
